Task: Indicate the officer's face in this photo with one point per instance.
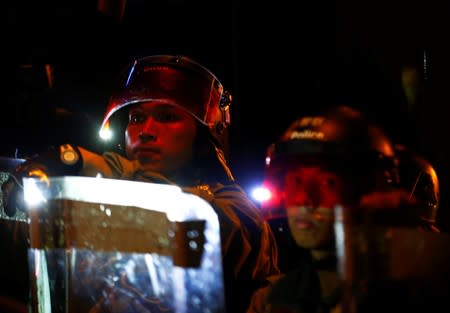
(160, 136)
(311, 194)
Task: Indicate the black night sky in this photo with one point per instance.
(278, 59)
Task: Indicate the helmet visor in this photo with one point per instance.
(175, 80)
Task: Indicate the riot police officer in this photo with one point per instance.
(170, 116)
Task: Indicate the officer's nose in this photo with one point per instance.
(149, 130)
(307, 196)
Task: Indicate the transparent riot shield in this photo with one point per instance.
(387, 266)
(106, 245)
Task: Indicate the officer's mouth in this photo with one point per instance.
(302, 223)
(147, 153)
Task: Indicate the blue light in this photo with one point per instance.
(261, 194)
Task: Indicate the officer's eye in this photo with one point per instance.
(298, 181)
(330, 182)
(166, 116)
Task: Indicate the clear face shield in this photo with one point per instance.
(176, 80)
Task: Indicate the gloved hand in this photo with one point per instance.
(56, 161)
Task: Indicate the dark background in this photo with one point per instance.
(278, 59)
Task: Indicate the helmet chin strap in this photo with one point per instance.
(223, 162)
